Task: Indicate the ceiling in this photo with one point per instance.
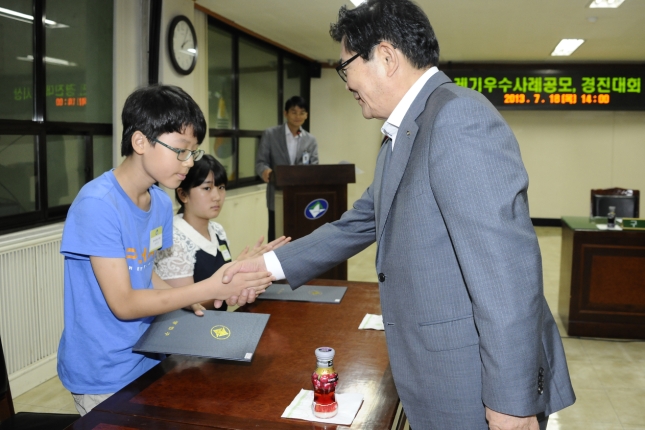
(467, 30)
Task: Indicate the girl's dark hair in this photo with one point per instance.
(400, 22)
(198, 174)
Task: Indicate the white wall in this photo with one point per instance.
(129, 59)
(567, 154)
(342, 132)
(244, 217)
(167, 75)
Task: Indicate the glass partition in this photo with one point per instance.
(295, 74)
(248, 149)
(248, 82)
(65, 168)
(222, 149)
(17, 174)
(220, 79)
(101, 154)
(16, 60)
(258, 86)
(55, 80)
(79, 61)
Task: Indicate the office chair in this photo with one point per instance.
(626, 202)
(10, 420)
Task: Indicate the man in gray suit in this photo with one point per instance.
(287, 144)
(471, 341)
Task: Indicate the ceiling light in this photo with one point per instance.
(8, 13)
(606, 3)
(53, 24)
(50, 60)
(358, 2)
(12, 14)
(566, 47)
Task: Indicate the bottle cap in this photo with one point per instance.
(325, 353)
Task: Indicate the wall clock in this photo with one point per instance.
(182, 45)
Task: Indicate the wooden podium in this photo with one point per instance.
(310, 196)
(602, 280)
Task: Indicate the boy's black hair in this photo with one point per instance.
(159, 109)
(400, 22)
(198, 174)
(296, 101)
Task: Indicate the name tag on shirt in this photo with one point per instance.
(305, 158)
(156, 239)
(224, 250)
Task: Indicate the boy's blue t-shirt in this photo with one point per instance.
(95, 352)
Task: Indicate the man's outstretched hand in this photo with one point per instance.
(255, 264)
(249, 265)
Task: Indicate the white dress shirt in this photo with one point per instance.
(390, 128)
(292, 143)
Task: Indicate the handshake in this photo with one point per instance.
(242, 280)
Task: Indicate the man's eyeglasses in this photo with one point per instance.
(183, 154)
(342, 66)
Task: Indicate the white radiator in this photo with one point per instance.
(31, 304)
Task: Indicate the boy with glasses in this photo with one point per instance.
(114, 227)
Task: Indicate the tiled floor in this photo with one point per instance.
(608, 376)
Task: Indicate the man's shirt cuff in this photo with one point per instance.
(273, 265)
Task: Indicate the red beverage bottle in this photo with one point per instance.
(324, 380)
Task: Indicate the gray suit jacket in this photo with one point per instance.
(465, 317)
(273, 152)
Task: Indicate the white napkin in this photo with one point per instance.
(604, 227)
(348, 405)
(371, 321)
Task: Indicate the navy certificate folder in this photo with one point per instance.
(223, 335)
(305, 293)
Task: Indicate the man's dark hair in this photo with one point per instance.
(198, 174)
(296, 101)
(400, 22)
(159, 109)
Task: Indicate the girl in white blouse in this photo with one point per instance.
(200, 246)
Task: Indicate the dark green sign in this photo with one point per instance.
(633, 224)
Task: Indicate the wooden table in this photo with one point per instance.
(185, 392)
(602, 281)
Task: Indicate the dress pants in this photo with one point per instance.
(271, 232)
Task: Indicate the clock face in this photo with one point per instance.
(183, 45)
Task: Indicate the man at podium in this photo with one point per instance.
(287, 144)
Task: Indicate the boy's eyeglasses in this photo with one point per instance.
(183, 154)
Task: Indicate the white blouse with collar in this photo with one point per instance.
(178, 261)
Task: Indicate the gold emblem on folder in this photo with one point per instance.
(315, 293)
(220, 332)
